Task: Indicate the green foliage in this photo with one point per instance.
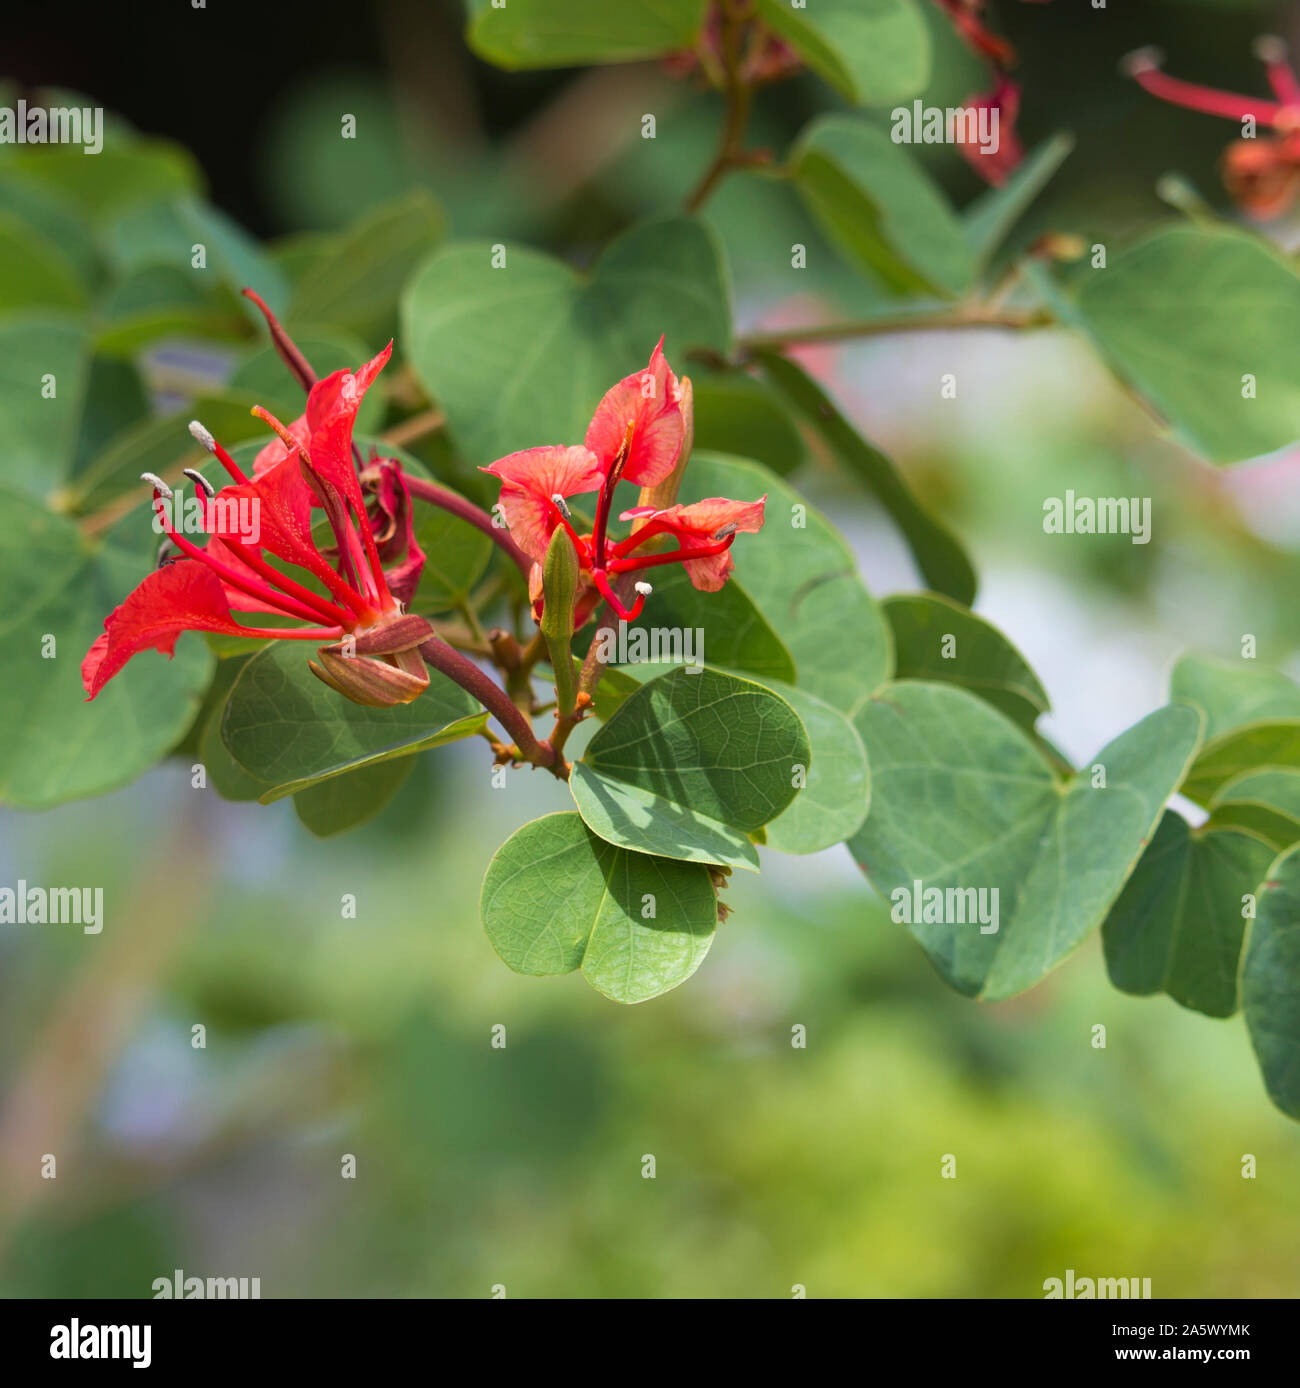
(558, 898)
(520, 352)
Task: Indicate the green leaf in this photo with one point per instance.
(34, 273)
(123, 173)
(872, 52)
(961, 799)
(166, 232)
(1265, 802)
(725, 628)
(989, 219)
(737, 414)
(803, 579)
(40, 353)
(937, 552)
(54, 746)
(1185, 316)
(1252, 721)
(356, 283)
(286, 728)
(557, 898)
(881, 208)
(224, 773)
(690, 766)
(1270, 983)
(457, 554)
(344, 802)
(566, 33)
(1177, 927)
(980, 659)
(833, 803)
(521, 355)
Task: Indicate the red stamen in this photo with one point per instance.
(672, 556)
(276, 602)
(611, 597)
(1144, 69)
(606, 497)
(1271, 51)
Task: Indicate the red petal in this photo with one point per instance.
(530, 478)
(332, 409)
(276, 452)
(699, 522)
(996, 166)
(184, 596)
(650, 401)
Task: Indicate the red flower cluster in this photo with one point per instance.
(1261, 174)
(642, 428)
(309, 466)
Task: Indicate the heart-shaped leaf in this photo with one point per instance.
(557, 898)
(690, 766)
(871, 51)
(286, 728)
(962, 801)
(881, 208)
(1178, 924)
(518, 349)
(344, 802)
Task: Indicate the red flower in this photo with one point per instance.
(310, 466)
(995, 165)
(640, 430)
(1262, 175)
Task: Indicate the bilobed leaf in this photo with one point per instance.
(287, 728)
(1177, 927)
(980, 658)
(344, 802)
(938, 554)
(961, 799)
(1265, 802)
(356, 283)
(54, 746)
(803, 578)
(522, 354)
(557, 898)
(1270, 982)
(832, 804)
(1204, 322)
(1252, 721)
(564, 33)
(881, 208)
(690, 766)
(989, 219)
(872, 52)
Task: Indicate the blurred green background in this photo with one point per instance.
(521, 1166)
